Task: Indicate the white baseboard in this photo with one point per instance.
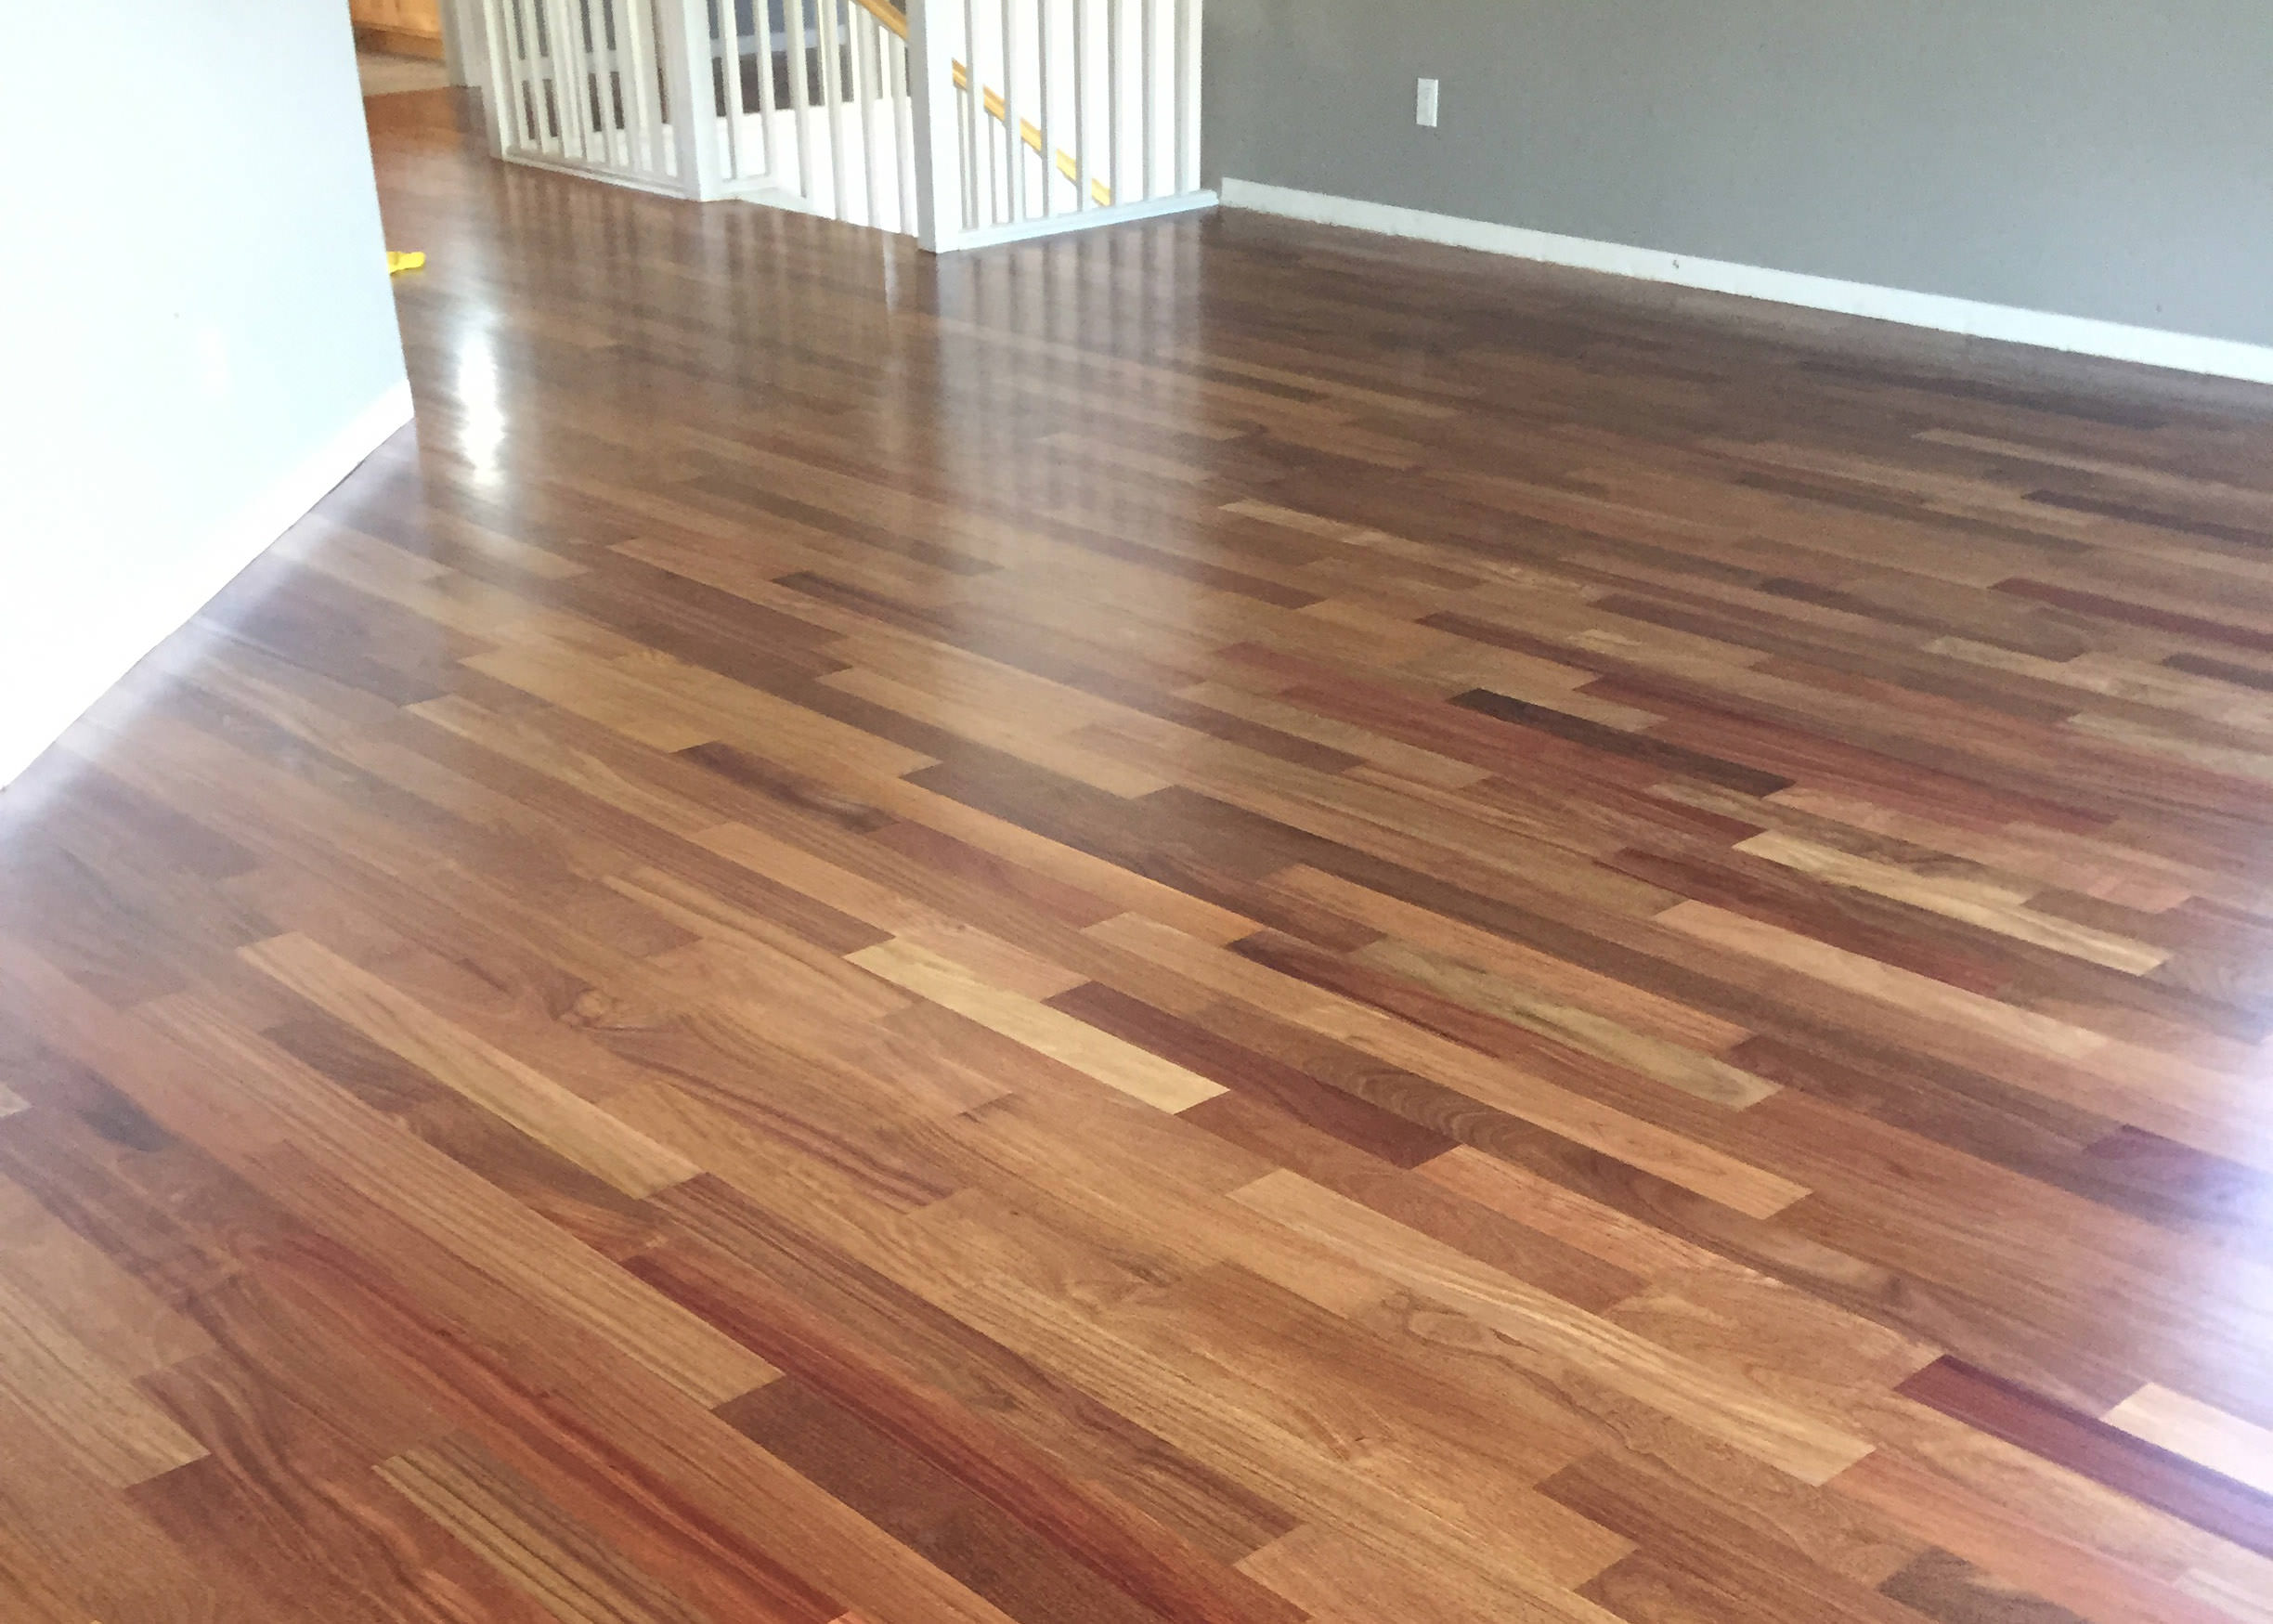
(86, 661)
(2216, 358)
(1183, 203)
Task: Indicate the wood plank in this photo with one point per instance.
(2116, 1457)
(1681, 1160)
(1992, 906)
(1093, 1053)
(90, 1407)
(456, 1210)
(1150, 1566)
(1703, 1075)
(492, 1079)
(2203, 1433)
(2021, 1552)
(568, 1570)
(114, 1316)
(1811, 1449)
(1545, 975)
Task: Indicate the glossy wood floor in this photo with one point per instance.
(1218, 923)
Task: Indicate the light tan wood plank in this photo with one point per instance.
(90, 1407)
(1986, 904)
(2203, 1433)
(1112, 1061)
(492, 1079)
(1702, 1075)
(1503, 1086)
(1810, 1448)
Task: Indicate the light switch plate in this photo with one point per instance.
(1424, 105)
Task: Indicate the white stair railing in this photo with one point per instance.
(1066, 113)
(963, 121)
(842, 115)
(594, 85)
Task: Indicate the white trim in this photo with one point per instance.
(662, 186)
(2217, 357)
(766, 195)
(100, 655)
(1060, 225)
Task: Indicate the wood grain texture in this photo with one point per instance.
(540, 1107)
(116, 1317)
(1810, 1449)
(1214, 922)
(56, 1380)
(570, 1571)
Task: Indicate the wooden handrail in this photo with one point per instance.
(891, 17)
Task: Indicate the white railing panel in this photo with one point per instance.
(580, 84)
(962, 120)
(1063, 113)
(824, 120)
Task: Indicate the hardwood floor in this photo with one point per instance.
(1215, 923)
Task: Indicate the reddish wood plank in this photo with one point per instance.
(2106, 1454)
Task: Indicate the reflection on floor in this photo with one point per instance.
(1211, 923)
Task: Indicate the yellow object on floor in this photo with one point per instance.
(403, 262)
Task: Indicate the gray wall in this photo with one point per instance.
(194, 310)
(2100, 158)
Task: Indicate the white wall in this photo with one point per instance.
(197, 337)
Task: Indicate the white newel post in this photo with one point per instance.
(686, 28)
(939, 183)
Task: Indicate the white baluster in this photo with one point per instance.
(502, 104)
(726, 51)
(800, 93)
(560, 119)
(642, 105)
(976, 150)
(831, 98)
(1042, 75)
(904, 136)
(578, 65)
(1017, 169)
(865, 32)
(1148, 90)
(1187, 96)
(761, 18)
(1081, 104)
(594, 17)
(1113, 31)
